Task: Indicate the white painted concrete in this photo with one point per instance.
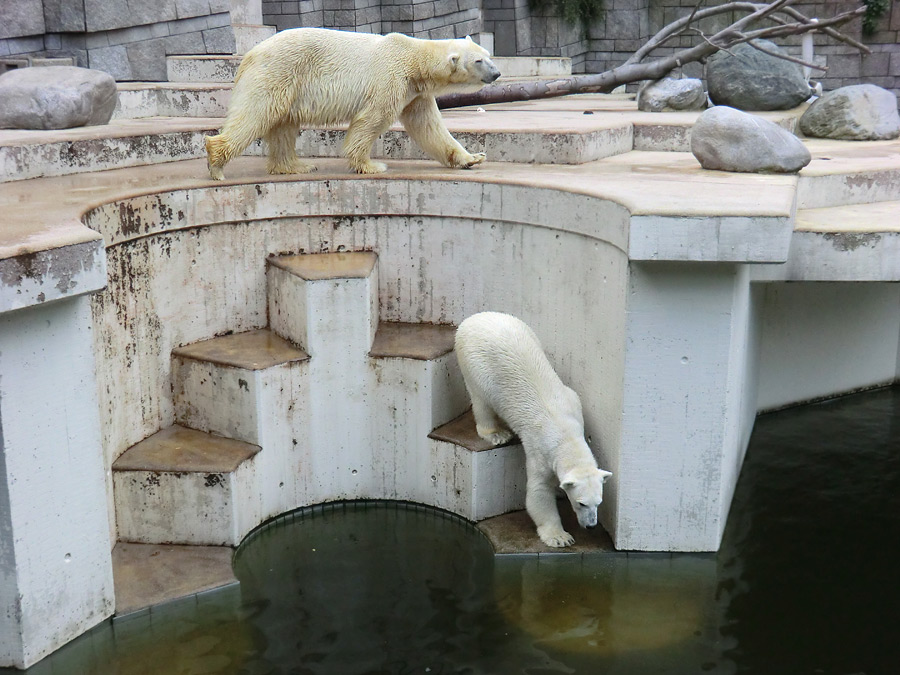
(55, 565)
(412, 398)
(204, 509)
(477, 485)
(821, 339)
(685, 381)
(533, 66)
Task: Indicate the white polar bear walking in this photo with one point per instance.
(317, 76)
(514, 389)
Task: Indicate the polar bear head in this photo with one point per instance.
(470, 65)
(584, 488)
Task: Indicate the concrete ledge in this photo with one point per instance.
(842, 243)
(66, 271)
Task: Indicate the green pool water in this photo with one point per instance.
(806, 582)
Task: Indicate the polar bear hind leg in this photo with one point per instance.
(488, 426)
(282, 156)
(424, 124)
(365, 128)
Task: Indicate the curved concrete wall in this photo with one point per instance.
(188, 265)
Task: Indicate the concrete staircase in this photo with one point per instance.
(325, 404)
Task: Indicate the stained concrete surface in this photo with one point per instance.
(253, 350)
(149, 574)
(422, 341)
(178, 449)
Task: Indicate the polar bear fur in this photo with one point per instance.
(515, 390)
(316, 76)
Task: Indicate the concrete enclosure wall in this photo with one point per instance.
(184, 267)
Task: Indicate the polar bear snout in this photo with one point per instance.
(490, 72)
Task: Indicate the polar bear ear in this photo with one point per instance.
(604, 475)
(453, 60)
(469, 38)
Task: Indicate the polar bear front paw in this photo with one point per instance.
(371, 167)
(494, 436)
(477, 158)
(556, 538)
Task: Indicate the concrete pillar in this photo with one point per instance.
(55, 563)
(689, 403)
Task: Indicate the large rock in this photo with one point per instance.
(861, 112)
(753, 80)
(730, 140)
(56, 97)
(669, 94)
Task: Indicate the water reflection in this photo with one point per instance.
(804, 584)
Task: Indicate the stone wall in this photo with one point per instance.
(420, 18)
(128, 40)
(132, 41)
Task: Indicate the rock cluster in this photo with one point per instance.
(748, 79)
(56, 97)
(671, 94)
(730, 140)
(861, 112)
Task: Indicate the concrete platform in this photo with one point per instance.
(514, 534)
(150, 574)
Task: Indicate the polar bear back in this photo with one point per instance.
(331, 76)
(502, 357)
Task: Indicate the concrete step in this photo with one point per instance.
(328, 304)
(202, 68)
(224, 385)
(844, 173)
(140, 100)
(183, 486)
(150, 574)
(514, 67)
(418, 386)
(470, 476)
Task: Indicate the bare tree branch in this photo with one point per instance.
(786, 57)
(638, 68)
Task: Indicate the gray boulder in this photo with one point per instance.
(730, 140)
(56, 97)
(753, 80)
(861, 112)
(669, 94)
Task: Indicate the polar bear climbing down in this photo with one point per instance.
(515, 390)
(315, 76)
